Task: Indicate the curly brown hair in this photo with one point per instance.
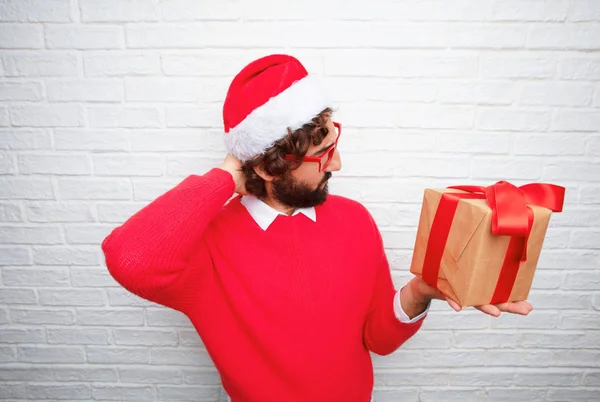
(296, 143)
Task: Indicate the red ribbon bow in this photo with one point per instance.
(511, 216)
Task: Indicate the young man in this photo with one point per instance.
(289, 288)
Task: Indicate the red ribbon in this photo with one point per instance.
(511, 216)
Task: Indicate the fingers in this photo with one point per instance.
(454, 305)
(489, 309)
(521, 307)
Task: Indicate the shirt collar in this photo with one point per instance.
(264, 214)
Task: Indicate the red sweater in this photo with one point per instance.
(287, 314)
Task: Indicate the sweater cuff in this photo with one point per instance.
(402, 316)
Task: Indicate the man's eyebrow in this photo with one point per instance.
(320, 151)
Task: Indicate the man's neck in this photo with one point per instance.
(273, 203)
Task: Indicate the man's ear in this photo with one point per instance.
(261, 172)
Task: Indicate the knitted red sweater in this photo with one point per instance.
(287, 314)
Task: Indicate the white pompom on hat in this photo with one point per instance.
(265, 98)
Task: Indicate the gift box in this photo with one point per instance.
(480, 245)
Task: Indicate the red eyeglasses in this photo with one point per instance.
(325, 159)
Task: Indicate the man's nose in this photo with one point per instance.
(336, 163)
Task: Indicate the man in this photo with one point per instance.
(289, 288)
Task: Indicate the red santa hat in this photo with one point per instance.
(266, 98)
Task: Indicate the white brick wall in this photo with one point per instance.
(105, 104)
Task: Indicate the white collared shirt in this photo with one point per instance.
(264, 215)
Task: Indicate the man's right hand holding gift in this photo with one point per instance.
(417, 294)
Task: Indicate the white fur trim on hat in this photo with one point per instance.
(268, 123)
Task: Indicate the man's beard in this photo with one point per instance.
(288, 191)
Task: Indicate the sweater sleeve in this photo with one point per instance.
(159, 253)
(383, 332)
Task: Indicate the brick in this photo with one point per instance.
(201, 375)
(110, 355)
(560, 259)
(145, 337)
(547, 280)
(550, 144)
(462, 320)
(18, 335)
(498, 119)
(91, 139)
(554, 300)
(576, 120)
(117, 213)
(40, 64)
(20, 91)
(515, 394)
(57, 255)
(565, 36)
(384, 190)
(128, 165)
(30, 235)
(589, 194)
(10, 212)
(128, 117)
(203, 116)
(24, 138)
(63, 391)
(50, 354)
(575, 358)
(3, 316)
(8, 163)
(485, 340)
(593, 146)
(584, 10)
(530, 10)
(4, 117)
(487, 36)
(71, 297)
(86, 234)
(518, 358)
(123, 317)
(55, 164)
(84, 37)
(85, 374)
(481, 376)
(563, 94)
(566, 170)
(501, 168)
(165, 318)
(91, 90)
(350, 89)
(35, 10)
(40, 317)
(178, 393)
(401, 358)
(78, 336)
(578, 68)
(117, 10)
(17, 296)
(164, 90)
(572, 394)
(55, 115)
(123, 298)
(12, 372)
(94, 189)
(7, 354)
(583, 280)
(38, 276)
(91, 277)
(486, 93)
(453, 358)
(13, 391)
(186, 10)
(517, 66)
(577, 217)
(547, 377)
(403, 65)
(210, 63)
(119, 392)
(592, 379)
(121, 63)
(451, 394)
(180, 357)
(64, 212)
(185, 165)
(411, 377)
(538, 319)
(189, 338)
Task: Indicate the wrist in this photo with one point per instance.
(412, 300)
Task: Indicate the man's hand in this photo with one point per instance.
(233, 165)
(417, 294)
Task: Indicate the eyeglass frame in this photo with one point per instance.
(319, 158)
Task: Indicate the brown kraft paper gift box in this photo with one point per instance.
(473, 257)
